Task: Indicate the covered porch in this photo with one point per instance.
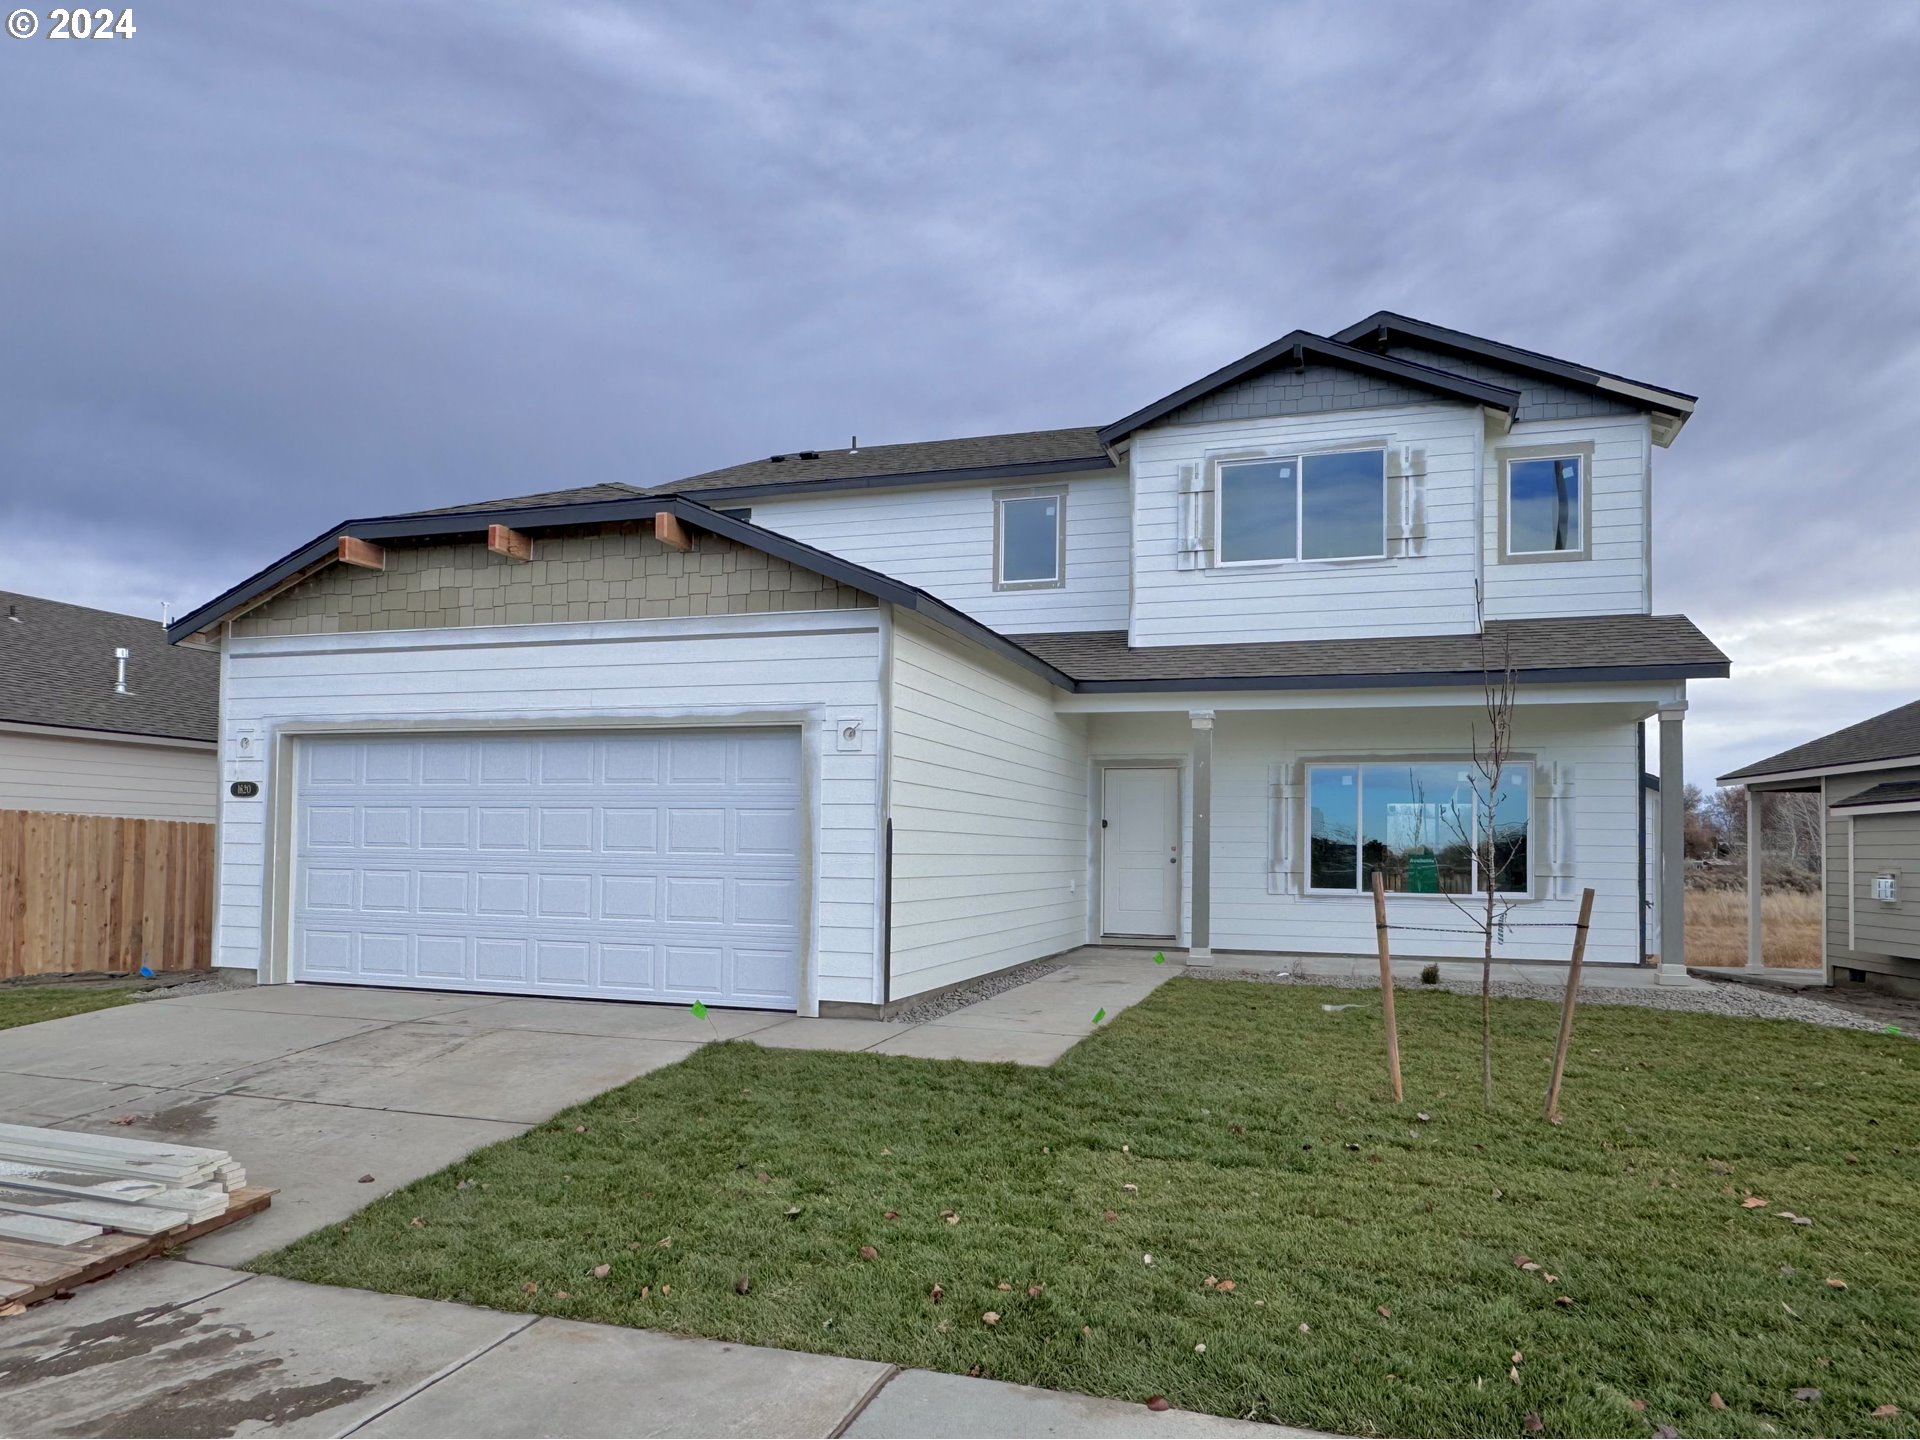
(1245, 827)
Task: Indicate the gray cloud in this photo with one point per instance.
(267, 267)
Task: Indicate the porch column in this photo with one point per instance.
(1754, 959)
(1200, 856)
(1673, 847)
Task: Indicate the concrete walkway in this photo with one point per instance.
(336, 1096)
(177, 1348)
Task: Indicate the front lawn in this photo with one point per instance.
(24, 1004)
(1240, 1132)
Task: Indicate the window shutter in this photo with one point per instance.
(1286, 864)
(1196, 518)
(1406, 501)
(1281, 830)
(1557, 806)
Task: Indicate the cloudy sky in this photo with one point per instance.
(266, 266)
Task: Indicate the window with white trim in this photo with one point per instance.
(1544, 514)
(1416, 824)
(1027, 542)
(1330, 505)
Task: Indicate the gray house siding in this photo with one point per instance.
(1886, 937)
(1539, 399)
(1313, 391)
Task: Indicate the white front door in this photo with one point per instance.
(1140, 852)
(631, 865)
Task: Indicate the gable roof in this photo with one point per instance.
(1562, 650)
(57, 669)
(1892, 736)
(1384, 329)
(1297, 348)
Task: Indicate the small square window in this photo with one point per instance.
(1028, 548)
(1546, 513)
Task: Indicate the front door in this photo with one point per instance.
(1140, 852)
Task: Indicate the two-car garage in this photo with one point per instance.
(635, 864)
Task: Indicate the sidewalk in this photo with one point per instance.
(177, 1348)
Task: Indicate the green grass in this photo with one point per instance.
(1257, 1129)
(27, 1003)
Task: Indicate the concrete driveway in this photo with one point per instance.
(313, 1088)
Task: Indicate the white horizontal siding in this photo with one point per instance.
(680, 670)
(940, 538)
(1250, 747)
(1427, 594)
(1615, 579)
(72, 776)
(989, 805)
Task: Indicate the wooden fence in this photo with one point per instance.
(92, 893)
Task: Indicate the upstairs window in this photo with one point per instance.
(1029, 541)
(1545, 505)
(1417, 825)
(1330, 506)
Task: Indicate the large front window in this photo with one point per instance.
(1417, 825)
(1330, 506)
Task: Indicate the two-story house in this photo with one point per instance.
(837, 728)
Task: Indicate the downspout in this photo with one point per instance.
(1640, 825)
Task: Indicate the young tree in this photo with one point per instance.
(1493, 853)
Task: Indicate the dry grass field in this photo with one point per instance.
(1717, 928)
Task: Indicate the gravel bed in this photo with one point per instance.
(985, 988)
(1743, 1002)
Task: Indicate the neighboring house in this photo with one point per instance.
(837, 728)
(1868, 780)
(99, 715)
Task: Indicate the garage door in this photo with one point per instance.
(655, 865)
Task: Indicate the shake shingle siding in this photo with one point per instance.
(1312, 391)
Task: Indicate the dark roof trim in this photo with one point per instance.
(870, 582)
(1031, 469)
(1300, 347)
(1902, 793)
(1570, 675)
(1585, 377)
(881, 587)
(131, 737)
(599, 512)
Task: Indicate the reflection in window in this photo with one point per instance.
(1329, 506)
(1030, 540)
(1543, 506)
(1416, 825)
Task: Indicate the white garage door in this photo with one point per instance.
(644, 865)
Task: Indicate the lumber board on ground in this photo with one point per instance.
(100, 1257)
(113, 1144)
(134, 1219)
(46, 1229)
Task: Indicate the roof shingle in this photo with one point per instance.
(1894, 735)
(1893, 792)
(1075, 446)
(1575, 644)
(57, 668)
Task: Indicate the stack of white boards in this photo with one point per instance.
(59, 1187)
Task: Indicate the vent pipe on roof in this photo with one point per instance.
(13, 613)
(120, 670)
(853, 447)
